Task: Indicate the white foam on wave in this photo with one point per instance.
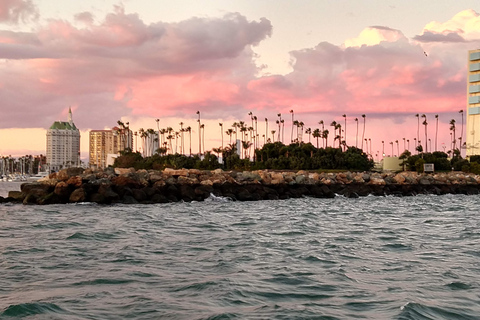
(214, 198)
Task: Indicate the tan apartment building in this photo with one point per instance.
(473, 104)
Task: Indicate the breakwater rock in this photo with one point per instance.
(129, 186)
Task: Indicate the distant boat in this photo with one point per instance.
(38, 176)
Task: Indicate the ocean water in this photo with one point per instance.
(367, 258)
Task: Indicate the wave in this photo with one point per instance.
(413, 310)
(214, 198)
(29, 309)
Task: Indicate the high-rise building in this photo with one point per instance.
(63, 144)
(473, 104)
(107, 142)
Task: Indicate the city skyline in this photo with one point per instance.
(137, 63)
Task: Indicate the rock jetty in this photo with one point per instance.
(152, 186)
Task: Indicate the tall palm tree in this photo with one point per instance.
(182, 138)
(229, 133)
(291, 138)
(266, 128)
(199, 134)
(309, 132)
(398, 149)
(202, 127)
(345, 127)
(279, 130)
(452, 128)
(323, 128)
(221, 132)
(436, 131)
(404, 146)
(418, 127)
(334, 125)
(158, 128)
(383, 148)
(356, 135)
(325, 136)
(363, 134)
(425, 123)
(391, 142)
(189, 130)
(296, 124)
(461, 132)
(273, 135)
(283, 130)
(316, 134)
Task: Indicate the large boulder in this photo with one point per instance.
(65, 174)
(78, 195)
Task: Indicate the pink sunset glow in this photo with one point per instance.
(117, 66)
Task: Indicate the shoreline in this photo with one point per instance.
(128, 186)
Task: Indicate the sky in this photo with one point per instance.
(139, 60)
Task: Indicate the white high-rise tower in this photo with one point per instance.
(63, 144)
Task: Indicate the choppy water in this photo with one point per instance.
(368, 258)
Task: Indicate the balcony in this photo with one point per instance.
(474, 78)
(475, 56)
(474, 67)
(474, 89)
(474, 99)
(474, 110)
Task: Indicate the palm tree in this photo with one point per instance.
(391, 142)
(291, 138)
(273, 135)
(221, 131)
(363, 134)
(461, 132)
(323, 128)
(383, 148)
(199, 134)
(296, 124)
(158, 127)
(418, 126)
(202, 127)
(436, 131)
(229, 133)
(408, 144)
(325, 136)
(356, 135)
(182, 150)
(266, 128)
(308, 131)
(398, 149)
(283, 130)
(345, 127)
(452, 128)
(404, 146)
(316, 134)
(189, 130)
(334, 125)
(425, 123)
(279, 130)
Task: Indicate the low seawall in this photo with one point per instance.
(130, 187)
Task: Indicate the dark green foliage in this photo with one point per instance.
(475, 158)
(296, 156)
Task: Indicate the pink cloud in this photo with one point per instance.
(12, 11)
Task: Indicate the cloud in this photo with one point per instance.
(374, 35)
(12, 11)
(124, 66)
(428, 36)
(466, 23)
